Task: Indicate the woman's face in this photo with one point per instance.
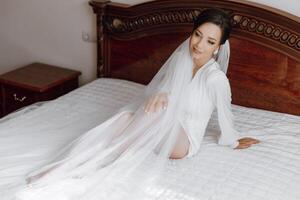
(204, 42)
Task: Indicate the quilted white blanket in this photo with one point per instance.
(267, 171)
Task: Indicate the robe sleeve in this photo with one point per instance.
(220, 94)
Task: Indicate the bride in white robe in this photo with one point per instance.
(124, 156)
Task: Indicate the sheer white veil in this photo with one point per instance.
(223, 56)
(100, 164)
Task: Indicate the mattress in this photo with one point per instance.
(269, 170)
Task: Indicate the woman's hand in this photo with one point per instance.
(156, 103)
(246, 142)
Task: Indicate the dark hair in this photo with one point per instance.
(217, 17)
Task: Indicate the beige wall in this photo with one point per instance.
(51, 32)
(47, 31)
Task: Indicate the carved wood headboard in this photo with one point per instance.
(264, 71)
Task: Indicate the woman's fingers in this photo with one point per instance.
(152, 105)
(165, 101)
(156, 103)
(253, 141)
(246, 142)
(164, 105)
(243, 146)
(161, 104)
(147, 105)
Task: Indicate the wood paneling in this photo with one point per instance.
(134, 41)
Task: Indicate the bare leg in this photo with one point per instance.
(179, 151)
(122, 122)
(182, 144)
(181, 147)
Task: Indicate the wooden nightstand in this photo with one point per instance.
(33, 83)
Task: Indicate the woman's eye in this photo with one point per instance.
(197, 34)
(210, 42)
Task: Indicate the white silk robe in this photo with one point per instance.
(208, 89)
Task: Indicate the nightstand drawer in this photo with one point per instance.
(15, 98)
(33, 83)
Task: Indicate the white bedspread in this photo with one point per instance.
(267, 171)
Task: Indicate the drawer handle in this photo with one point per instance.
(19, 99)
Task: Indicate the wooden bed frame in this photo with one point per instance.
(264, 72)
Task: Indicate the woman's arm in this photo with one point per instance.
(219, 89)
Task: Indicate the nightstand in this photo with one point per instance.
(33, 83)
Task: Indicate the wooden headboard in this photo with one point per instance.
(264, 71)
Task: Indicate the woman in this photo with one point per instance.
(211, 29)
(129, 151)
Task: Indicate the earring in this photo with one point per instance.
(216, 52)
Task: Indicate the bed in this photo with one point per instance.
(133, 42)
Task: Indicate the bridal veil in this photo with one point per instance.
(121, 160)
